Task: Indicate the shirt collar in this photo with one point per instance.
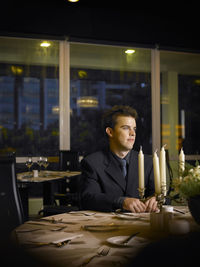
(127, 158)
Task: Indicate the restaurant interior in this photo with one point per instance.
(62, 64)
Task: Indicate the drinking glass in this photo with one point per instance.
(29, 163)
(40, 162)
(45, 163)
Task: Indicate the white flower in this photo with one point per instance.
(189, 184)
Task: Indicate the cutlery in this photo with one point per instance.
(41, 244)
(127, 240)
(83, 213)
(28, 231)
(180, 211)
(53, 221)
(127, 214)
(102, 251)
(58, 244)
(58, 229)
(131, 215)
(101, 227)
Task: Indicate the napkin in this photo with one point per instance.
(54, 237)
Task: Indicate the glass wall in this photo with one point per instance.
(100, 76)
(104, 76)
(29, 96)
(180, 94)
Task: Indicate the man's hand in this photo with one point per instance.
(151, 205)
(134, 205)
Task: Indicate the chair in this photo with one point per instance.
(67, 198)
(68, 161)
(10, 203)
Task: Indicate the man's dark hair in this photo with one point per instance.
(110, 116)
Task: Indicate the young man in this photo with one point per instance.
(106, 185)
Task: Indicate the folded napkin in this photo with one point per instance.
(47, 223)
(53, 237)
(86, 213)
(133, 216)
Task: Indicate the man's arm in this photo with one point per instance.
(93, 195)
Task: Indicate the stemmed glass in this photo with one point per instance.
(45, 163)
(29, 164)
(40, 163)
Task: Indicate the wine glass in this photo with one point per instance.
(45, 163)
(29, 163)
(40, 162)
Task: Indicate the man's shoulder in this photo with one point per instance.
(96, 156)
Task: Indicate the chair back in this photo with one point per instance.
(10, 203)
(68, 160)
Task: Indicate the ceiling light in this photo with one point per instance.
(130, 51)
(45, 44)
(87, 102)
(73, 1)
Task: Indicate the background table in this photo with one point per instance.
(96, 228)
(48, 179)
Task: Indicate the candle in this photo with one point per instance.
(156, 174)
(141, 169)
(163, 169)
(181, 161)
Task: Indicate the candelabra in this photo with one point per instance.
(141, 194)
(161, 197)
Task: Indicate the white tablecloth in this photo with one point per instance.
(45, 176)
(90, 231)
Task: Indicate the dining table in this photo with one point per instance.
(47, 178)
(93, 238)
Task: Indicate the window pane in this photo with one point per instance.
(180, 89)
(29, 97)
(103, 76)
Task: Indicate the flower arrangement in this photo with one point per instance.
(188, 184)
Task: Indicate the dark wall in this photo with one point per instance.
(104, 21)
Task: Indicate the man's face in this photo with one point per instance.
(123, 135)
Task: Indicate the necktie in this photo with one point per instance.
(123, 165)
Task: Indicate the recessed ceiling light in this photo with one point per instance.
(45, 44)
(73, 1)
(130, 51)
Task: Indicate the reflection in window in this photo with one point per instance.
(180, 94)
(101, 77)
(189, 110)
(28, 97)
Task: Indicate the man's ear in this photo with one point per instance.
(109, 131)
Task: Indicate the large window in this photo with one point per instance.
(29, 97)
(97, 77)
(104, 76)
(180, 87)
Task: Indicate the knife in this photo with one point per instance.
(127, 240)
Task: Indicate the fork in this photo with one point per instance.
(102, 251)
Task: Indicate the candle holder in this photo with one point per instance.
(164, 190)
(160, 198)
(141, 194)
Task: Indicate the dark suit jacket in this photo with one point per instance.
(103, 183)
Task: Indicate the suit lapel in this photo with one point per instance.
(113, 169)
(132, 180)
